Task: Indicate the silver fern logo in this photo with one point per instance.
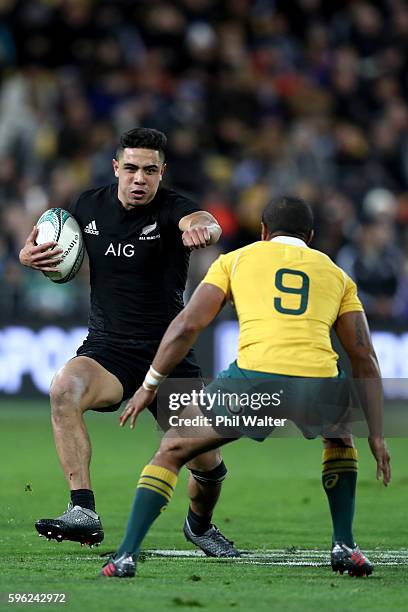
(147, 230)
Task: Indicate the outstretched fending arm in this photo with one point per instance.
(204, 305)
(180, 336)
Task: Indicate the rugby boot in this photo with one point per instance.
(212, 542)
(351, 560)
(119, 567)
(76, 524)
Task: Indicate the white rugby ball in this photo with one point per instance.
(59, 225)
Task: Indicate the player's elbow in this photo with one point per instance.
(188, 327)
(185, 326)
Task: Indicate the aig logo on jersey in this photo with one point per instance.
(128, 250)
(147, 231)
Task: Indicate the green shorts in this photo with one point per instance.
(254, 404)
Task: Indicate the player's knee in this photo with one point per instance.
(205, 462)
(173, 452)
(66, 393)
(345, 441)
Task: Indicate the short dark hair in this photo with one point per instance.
(143, 138)
(289, 215)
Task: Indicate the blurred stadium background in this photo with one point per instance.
(257, 98)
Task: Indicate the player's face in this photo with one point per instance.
(139, 172)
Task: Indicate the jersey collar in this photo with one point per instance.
(289, 240)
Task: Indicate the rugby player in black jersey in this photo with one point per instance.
(138, 236)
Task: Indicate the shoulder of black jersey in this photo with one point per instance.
(172, 196)
(96, 194)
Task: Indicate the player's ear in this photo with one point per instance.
(310, 238)
(163, 170)
(264, 232)
(115, 165)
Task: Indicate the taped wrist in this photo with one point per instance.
(153, 379)
(215, 476)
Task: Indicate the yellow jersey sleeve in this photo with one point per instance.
(219, 274)
(350, 301)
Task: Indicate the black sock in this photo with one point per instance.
(198, 524)
(84, 498)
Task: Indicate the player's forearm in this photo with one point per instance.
(204, 305)
(176, 343)
(368, 384)
(353, 333)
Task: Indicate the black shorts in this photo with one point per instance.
(129, 361)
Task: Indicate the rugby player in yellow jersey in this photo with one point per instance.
(287, 296)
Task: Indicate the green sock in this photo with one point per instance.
(339, 481)
(153, 493)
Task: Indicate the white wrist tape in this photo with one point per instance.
(153, 379)
(148, 387)
(157, 374)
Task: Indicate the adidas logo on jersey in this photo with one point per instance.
(91, 229)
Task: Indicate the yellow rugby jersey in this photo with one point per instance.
(287, 297)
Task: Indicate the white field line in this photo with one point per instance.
(284, 557)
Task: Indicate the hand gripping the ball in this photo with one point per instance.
(43, 257)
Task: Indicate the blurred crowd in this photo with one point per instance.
(257, 97)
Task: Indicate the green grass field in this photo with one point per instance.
(272, 500)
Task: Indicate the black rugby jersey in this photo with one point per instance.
(138, 263)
